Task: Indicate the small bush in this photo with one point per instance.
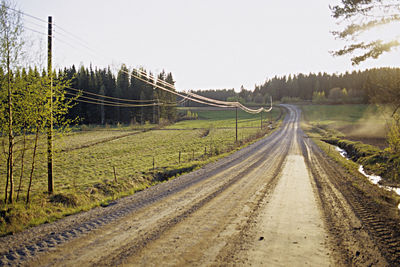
(319, 97)
(393, 136)
(287, 99)
(68, 200)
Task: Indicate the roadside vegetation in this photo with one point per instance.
(95, 165)
(362, 131)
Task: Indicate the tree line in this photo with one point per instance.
(109, 99)
(378, 85)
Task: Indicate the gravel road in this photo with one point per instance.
(278, 202)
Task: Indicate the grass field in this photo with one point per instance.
(97, 164)
(364, 123)
(209, 118)
(361, 131)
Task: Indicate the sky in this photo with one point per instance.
(206, 44)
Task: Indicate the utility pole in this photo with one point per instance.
(50, 181)
(236, 125)
(154, 113)
(10, 133)
(159, 111)
(261, 119)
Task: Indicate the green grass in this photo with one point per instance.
(84, 163)
(336, 113)
(366, 123)
(224, 118)
(336, 124)
(339, 121)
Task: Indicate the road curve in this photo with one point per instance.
(271, 203)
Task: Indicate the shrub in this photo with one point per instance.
(68, 200)
(319, 97)
(393, 137)
(286, 99)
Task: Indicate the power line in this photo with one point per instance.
(113, 105)
(157, 86)
(109, 97)
(124, 104)
(36, 24)
(213, 101)
(83, 43)
(103, 101)
(26, 14)
(219, 102)
(108, 103)
(178, 94)
(57, 39)
(189, 96)
(36, 31)
(165, 89)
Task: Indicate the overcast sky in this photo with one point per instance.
(206, 44)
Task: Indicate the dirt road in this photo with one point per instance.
(278, 202)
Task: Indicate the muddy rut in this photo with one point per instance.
(277, 202)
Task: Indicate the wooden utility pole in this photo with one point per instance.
(261, 119)
(50, 180)
(154, 113)
(10, 133)
(236, 125)
(158, 111)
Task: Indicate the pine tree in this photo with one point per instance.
(171, 100)
(110, 84)
(122, 90)
(102, 112)
(161, 96)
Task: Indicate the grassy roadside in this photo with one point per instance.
(318, 133)
(95, 166)
(364, 123)
(321, 124)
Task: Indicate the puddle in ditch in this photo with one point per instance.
(374, 179)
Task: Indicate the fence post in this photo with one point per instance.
(236, 125)
(153, 163)
(179, 157)
(115, 175)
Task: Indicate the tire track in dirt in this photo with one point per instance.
(363, 232)
(286, 229)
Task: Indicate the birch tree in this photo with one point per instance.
(11, 43)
